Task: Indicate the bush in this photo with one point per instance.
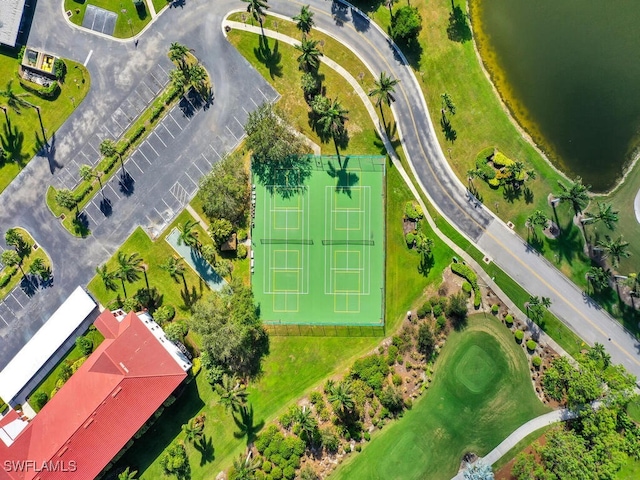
(531, 345)
(495, 308)
(536, 361)
(372, 370)
(59, 69)
(49, 93)
(519, 334)
(242, 234)
(367, 436)
(39, 400)
(241, 252)
(164, 314)
(484, 155)
(410, 238)
(437, 310)
(85, 345)
(392, 354)
(441, 322)
(156, 112)
(396, 379)
(330, 440)
(220, 230)
(266, 466)
(426, 340)
(494, 183)
(413, 211)
(406, 24)
(424, 310)
(477, 299)
(276, 473)
(501, 160)
(315, 398)
(4, 280)
(358, 447)
(467, 288)
(137, 133)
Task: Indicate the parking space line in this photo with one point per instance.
(148, 143)
(114, 191)
(145, 157)
(14, 297)
(194, 182)
(104, 125)
(196, 165)
(241, 126)
(254, 102)
(205, 159)
(165, 127)
(152, 92)
(168, 207)
(93, 148)
(158, 136)
(159, 214)
(174, 121)
(227, 127)
(162, 68)
(134, 162)
(216, 152)
(265, 97)
(7, 323)
(90, 216)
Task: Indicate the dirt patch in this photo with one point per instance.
(505, 472)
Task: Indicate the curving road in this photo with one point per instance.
(118, 68)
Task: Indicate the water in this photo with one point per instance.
(569, 70)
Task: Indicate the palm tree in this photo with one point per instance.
(15, 100)
(175, 268)
(129, 268)
(66, 199)
(13, 238)
(11, 259)
(107, 277)
(598, 277)
(224, 268)
(447, 105)
(332, 117)
(536, 307)
(537, 218)
(577, 194)
(605, 214)
(341, 398)
(127, 474)
(309, 59)
(383, 92)
(39, 269)
(178, 79)
(108, 149)
(616, 249)
(197, 75)
(516, 171)
(178, 53)
(232, 393)
(87, 173)
(304, 20)
(633, 282)
(389, 4)
(307, 425)
(244, 468)
(257, 9)
(193, 431)
(188, 235)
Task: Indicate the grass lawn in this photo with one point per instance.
(129, 23)
(160, 4)
(629, 471)
(22, 138)
(481, 393)
(47, 385)
(15, 272)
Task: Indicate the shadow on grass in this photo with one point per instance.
(246, 424)
(568, 244)
(12, 140)
(458, 29)
(205, 447)
(269, 58)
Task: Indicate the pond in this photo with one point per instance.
(569, 72)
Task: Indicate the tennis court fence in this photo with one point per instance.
(285, 241)
(348, 242)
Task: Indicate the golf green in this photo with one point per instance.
(480, 394)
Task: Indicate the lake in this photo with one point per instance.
(569, 71)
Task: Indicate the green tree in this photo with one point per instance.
(304, 20)
(257, 9)
(84, 344)
(193, 431)
(39, 400)
(536, 306)
(87, 173)
(225, 190)
(224, 268)
(576, 194)
(598, 277)
(178, 54)
(633, 283)
(389, 4)
(310, 85)
(129, 268)
(406, 24)
(176, 269)
(447, 105)
(232, 393)
(39, 269)
(174, 461)
(175, 331)
(14, 238)
(604, 214)
(127, 474)
(536, 219)
(457, 309)
(11, 259)
(108, 148)
(178, 79)
(342, 399)
(383, 90)
(197, 76)
(220, 230)
(426, 340)
(209, 254)
(66, 199)
(614, 249)
(331, 119)
(244, 467)
(108, 278)
(599, 355)
(305, 425)
(189, 235)
(309, 59)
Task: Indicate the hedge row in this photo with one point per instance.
(470, 276)
(48, 93)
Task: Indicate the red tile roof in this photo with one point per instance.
(100, 407)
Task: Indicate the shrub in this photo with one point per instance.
(485, 154)
(48, 93)
(501, 160)
(494, 183)
(241, 252)
(289, 472)
(330, 440)
(531, 345)
(40, 399)
(59, 69)
(441, 322)
(424, 310)
(426, 340)
(242, 234)
(176, 331)
(536, 361)
(85, 345)
(367, 436)
(137, 133)
(508, 320)
(156, 112)
(276, 473)
(315, 397)
(392, 354)
(266, 466)
(410, 238)
(164, 314)
(358, 447)
(372, 370)
(437, 310)
(477, 299)
(413, 211)
(4, 280)
(396, 379)
(495, 308)
(467, 288)
(519, 334)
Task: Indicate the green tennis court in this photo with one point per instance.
(318, 248)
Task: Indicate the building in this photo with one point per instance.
(10, 19)
(100, 408)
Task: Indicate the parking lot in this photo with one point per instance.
(117, 123)
(15, 301)
(99, 20)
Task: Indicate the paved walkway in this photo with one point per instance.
(531, 426)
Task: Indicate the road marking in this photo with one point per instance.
(14, 297)
(241, 126)
(205, 159)
(90, 216)
(196, 165)
(114, 191)
(194, 182)
(168, 207)
(158, 137)
(265, 97)
(216, 152)
(148, 143)
(165, 127)
(134, 162)
(254, 102)
(174, 121)
(4, 320)
(88, 58)
(145, 157)
(227, 127)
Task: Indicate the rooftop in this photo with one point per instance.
(10, 18)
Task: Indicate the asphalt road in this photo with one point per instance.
(118, 69)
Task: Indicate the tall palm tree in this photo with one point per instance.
(605, 214)
(383, 92)
(389, 4)
(66, 199)
(174, 267)
(536, 307)
(244, 468)
(129, 268)
(304, 20)
(107, 277)
(231, 392)
(257, 9)
(108, 149)
(341, 398)
(178, 53)
(447, 105)
(15, 100)
(332, 117)
(39, 269)
(306, 423)
(516, 172)
(193, 431)
(189, 235)
(309, 59)
(615, 249)
(87, 173)
(577, 194)
(13, 238)
(598, 277)
(537, 219)
(126, 474)
(11, 259)
(178, 79)
(197, 75)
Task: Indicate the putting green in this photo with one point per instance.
(480, 394)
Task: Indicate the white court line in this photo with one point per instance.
(165, 127)
(174, 121)
(114, 191)
(90, 52)
(158, 137)
(187, 174)
(147, 142)
(134, 162)
(227, 127)
(142, 153)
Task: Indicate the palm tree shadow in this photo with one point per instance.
(205, 447)
(568, 243)
(269, 58)
(245, 423)
(458, 29)
(12, 140)
(48, 150)
(344, 178)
